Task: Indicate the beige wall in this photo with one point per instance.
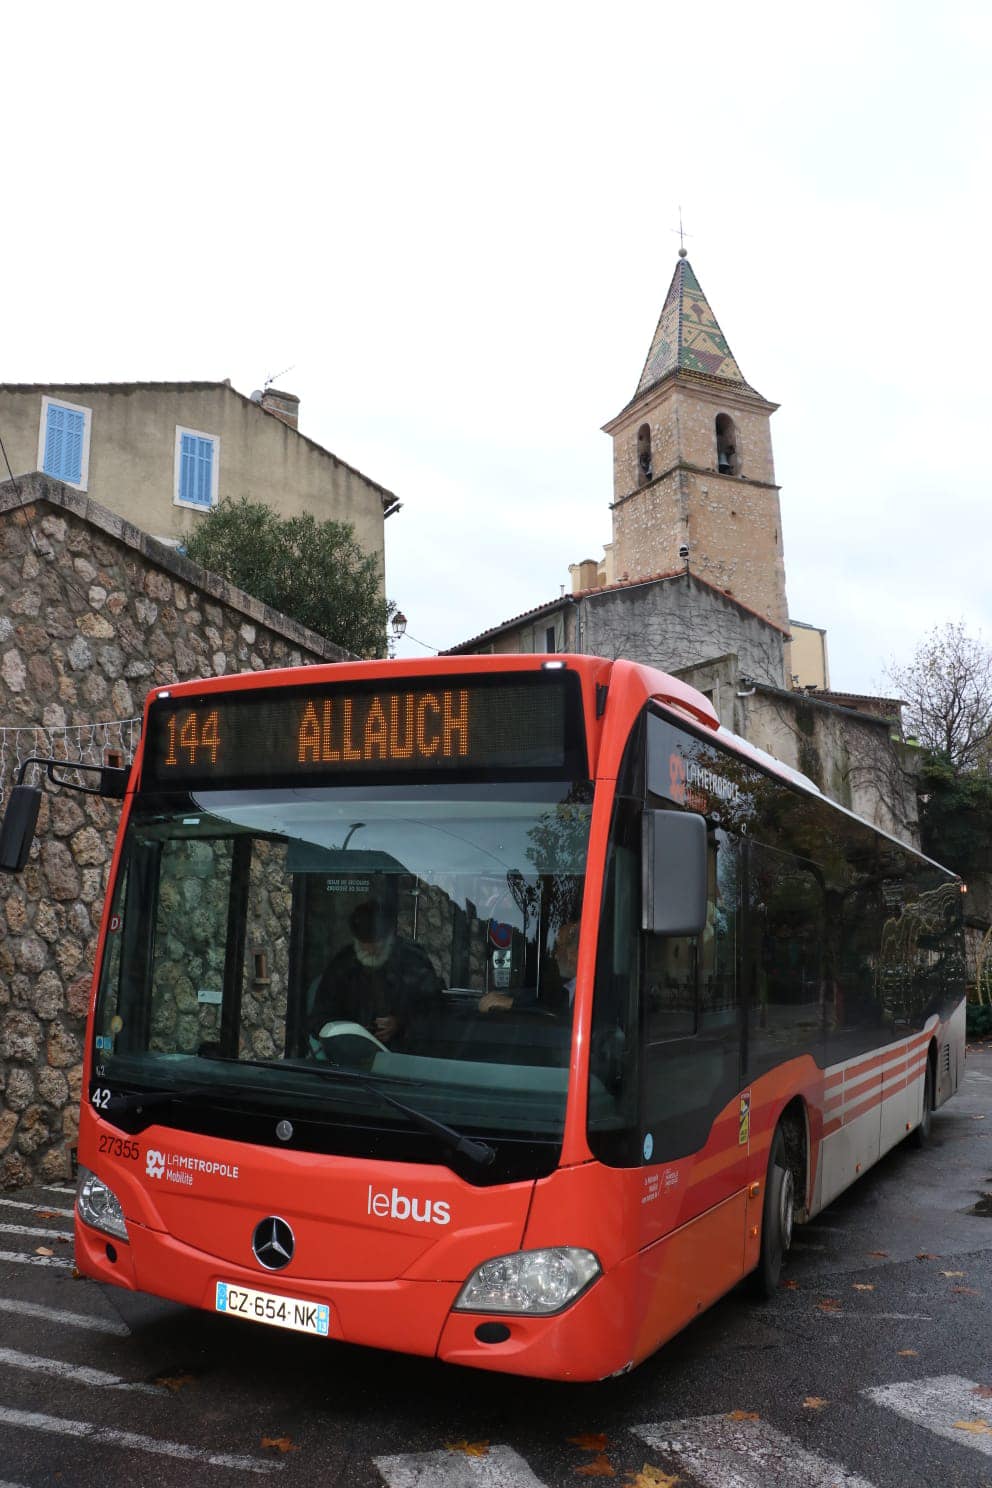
(809, 656)
(132, 466)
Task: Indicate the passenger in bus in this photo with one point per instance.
(557, 992)
(382, 980)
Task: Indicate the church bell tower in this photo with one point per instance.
(693, 478)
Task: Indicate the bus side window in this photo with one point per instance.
(613, 1052)
(788, 1010)
(719, 991)
(671, 967)
(691, 1031)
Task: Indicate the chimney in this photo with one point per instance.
(585, 575)
(284, 406)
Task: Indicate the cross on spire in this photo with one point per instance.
(682, 236)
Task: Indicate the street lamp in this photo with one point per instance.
(398, 625)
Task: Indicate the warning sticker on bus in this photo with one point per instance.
(270, 1307)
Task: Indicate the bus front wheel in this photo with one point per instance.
(776, 1219)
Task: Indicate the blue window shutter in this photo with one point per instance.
(196, 468)
(64, 431)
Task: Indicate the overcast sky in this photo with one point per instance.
(455, 224)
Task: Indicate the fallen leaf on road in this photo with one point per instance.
(470, 1449)
(829, 1304)
(862, 1286)
(591, 1441)
(43, 1250)
(978, 1118)
(879, 1254)
(966, 1291)
(952, 1273)
(908, 1354)
(740, 1415)
(984, 1392)
(924, 1255)
(280, 1443)
(599, 1467)
(174, 1382)
(813, 1402)
(46, 1214)
(789, 1286)
(977, 1428)
(652, 1477)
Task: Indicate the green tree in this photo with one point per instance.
(313, 571)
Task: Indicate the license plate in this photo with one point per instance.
(270, 1307)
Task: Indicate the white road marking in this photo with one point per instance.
(724, 1453)
(21, 1258)
(105, 1436)
(79, 1374)
(35, 1209)
(874, 1317)
(939, 1403)
(59, 1188)
(48, 1234)
(501, 1467)
(65, 1319)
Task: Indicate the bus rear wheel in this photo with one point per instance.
(776, 1219)
(920, 1135)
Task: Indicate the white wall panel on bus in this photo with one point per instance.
(846, 1153)
(950, 1056)
(902, 1091)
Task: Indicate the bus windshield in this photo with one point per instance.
(419, 934)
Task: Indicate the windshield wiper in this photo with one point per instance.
(477, 1152)
(125, 1101)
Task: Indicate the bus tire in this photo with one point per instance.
(920, 1135)
(776, 1219)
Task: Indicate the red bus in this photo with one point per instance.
(505, 1010)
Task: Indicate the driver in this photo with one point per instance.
(381, 980)
(561, 998)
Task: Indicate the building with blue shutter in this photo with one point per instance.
(161, 454)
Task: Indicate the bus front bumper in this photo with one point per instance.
(586, 1341)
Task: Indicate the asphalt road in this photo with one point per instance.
(872, 1368)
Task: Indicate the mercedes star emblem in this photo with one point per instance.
(273, 1243)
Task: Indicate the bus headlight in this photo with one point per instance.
(529, 1281)
(99, 1206)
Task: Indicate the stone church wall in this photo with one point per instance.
(93, 613)
(675, 623)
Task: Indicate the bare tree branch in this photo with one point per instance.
(947, 689)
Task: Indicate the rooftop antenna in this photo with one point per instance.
(276, 376)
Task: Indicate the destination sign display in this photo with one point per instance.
(450, 724)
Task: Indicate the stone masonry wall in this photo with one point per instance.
(677, 623)
(731, 523)
(93, 613)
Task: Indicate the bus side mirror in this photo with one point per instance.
(113, 782)
(19, 822)
(673, 859)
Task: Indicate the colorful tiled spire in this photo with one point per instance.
(688, 338)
